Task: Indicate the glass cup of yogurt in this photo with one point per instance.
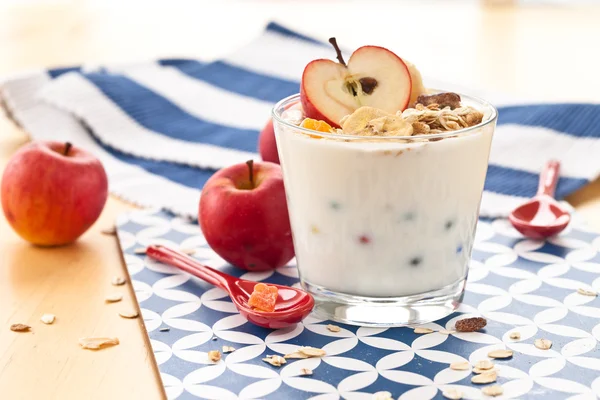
(383, 226)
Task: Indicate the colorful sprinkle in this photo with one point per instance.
(459, 249)
(408, 216)
(364, 239)
(416, 261)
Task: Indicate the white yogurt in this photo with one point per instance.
(384, 218)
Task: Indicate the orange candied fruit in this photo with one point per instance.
(316, 125)
(263, 298)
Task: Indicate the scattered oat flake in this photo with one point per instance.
(118, 281)
(113, 298)
(189, 252)
(460, 366)
(140, 250)
(383, 395)
(453, 394)
(20, 328)
(422, 330)
(276, 361)
(500, 354)
(542, 344)
(333, 328)
(585, 292)
(484, 364)
(228, 349)
(494, 390)
(295, 355)
(515, 335)
(470, 324)
(214, 355)
(98, 343)
(446, 332)
(48, 319)
(164, 329)
(311, 351)
(109, 231)
(481, 371)
(306, 371)
(486, 377)
(129, 314)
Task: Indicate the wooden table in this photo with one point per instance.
(546, 51)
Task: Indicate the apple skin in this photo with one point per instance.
(51, 199)
(267, 147)
(247, 226)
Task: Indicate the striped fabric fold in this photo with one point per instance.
(162, 128)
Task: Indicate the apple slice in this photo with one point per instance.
(374, 77)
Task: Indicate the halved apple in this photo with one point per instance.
(374, 77)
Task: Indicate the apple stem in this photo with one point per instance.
(250, 164)
(338, 52)
(68, 146)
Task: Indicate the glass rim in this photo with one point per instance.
(493, 117)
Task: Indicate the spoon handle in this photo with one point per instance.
(549, 178)
(188, 264)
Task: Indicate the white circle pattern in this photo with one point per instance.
(517, 284)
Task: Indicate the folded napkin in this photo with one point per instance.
(162, 128)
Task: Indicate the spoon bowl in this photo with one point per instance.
(542, 216)
(292, 306)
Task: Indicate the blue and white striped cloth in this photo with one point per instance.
(162, 128)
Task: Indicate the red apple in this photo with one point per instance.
(243, 215)
(53, 192)
(267, 147)
(374, 76)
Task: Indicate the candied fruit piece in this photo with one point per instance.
(316, 125)
(263, 297)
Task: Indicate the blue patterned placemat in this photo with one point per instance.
(517, 284)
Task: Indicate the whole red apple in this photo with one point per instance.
(53, 192)
(267, 147)
(243, 215)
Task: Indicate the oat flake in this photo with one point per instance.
(311, 351)
(500, 354)
(484, 364)
(48, 319)
(189, 252)
(333, 328)
(140, 250)
(585, 292)
(113, 298)
(460, 366)
(117, 281)
(542, 344)
(515, 335)
(228, 349)
(452, 394)
(486, 377)
(446, 332)
(276, 361)
(20, 328)
(306, 371)
(97, 343)
(383, 395)
(420, 331)
(109, 231)
(295, 355)
(494, 390)
(129, 314)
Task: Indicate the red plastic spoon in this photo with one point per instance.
(293, 305)
(542, 216)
